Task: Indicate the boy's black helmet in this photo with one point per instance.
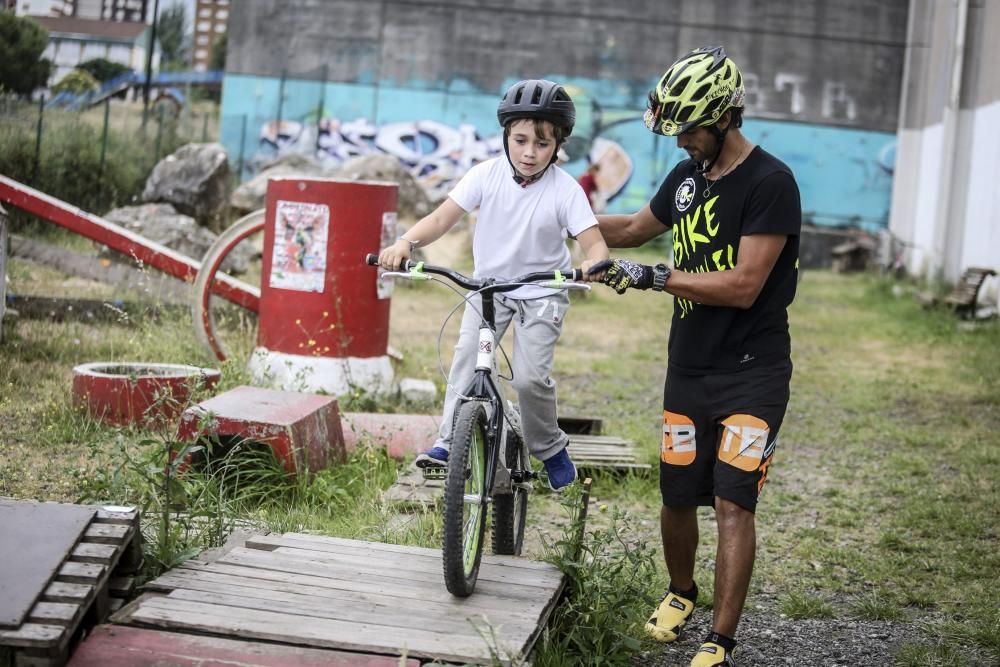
(538, 98)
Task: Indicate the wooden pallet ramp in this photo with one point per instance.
(412, 493)
(96, 550)
(350, 595)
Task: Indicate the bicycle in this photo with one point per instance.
(488, 461)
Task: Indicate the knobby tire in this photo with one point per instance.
(465, 522)
(509, 511)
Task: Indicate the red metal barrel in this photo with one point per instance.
(317, 297)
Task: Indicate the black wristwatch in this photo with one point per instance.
(660, 274)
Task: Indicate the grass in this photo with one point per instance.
(883, 502)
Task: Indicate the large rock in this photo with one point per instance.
(162, 224)
(250, 196)
(194, 179)
(413, 201)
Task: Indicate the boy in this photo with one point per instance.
(527, 208)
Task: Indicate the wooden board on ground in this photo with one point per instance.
(34, 541)
(332, 593)
(79, 592)
(411, 492)
(123, 646)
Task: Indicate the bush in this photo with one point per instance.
(103, 69)
(77, 82)
(70, 164)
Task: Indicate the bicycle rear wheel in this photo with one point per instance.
(509, 511)
(465, 500)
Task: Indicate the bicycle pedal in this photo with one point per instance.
(435, 473)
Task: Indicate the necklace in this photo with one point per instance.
(732, 165)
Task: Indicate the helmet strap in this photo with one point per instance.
(720, 138)
(518, 178)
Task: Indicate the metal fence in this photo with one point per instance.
(123, 132)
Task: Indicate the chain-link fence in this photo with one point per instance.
(100, 157)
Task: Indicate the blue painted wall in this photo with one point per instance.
(845, 174)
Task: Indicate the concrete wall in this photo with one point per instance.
(421, 79)
(945, 199)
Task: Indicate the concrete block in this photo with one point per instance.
(417, 391)
(303, 430)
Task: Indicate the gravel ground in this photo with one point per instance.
(766, 639)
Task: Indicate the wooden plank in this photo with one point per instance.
(325, 633)
(306, 605)
(107, 533)
(58, 591)
(54, 613)
(344, 543)
(34, 540)
(610, 440)
(507, 567)
(442, 604)
(104, 554)
(128, 516)
(121, 586)
(123, 646)
(341, 589)
(386, 581)
(80, 573)
(413, 564)
(36, 635)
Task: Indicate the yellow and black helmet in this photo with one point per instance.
(696, 90)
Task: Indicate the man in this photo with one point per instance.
(588, 181)
(735, 215)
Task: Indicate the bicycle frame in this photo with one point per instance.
(485, 426)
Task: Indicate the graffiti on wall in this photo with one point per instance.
(435, 154)
(845, 174)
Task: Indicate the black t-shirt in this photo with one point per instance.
(760, 196)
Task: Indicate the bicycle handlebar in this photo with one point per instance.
(477, 284)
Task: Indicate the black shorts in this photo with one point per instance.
(719, 434)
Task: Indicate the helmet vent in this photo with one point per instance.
(536, 95)
(701, 92)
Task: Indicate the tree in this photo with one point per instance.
(171, 30)
(219, 52)
(103, 69)
(22, 42)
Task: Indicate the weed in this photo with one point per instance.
(877, 606)
(804, 605)
(609, 573)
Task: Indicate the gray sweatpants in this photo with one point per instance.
(537, 326)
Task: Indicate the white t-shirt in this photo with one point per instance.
(522, 230)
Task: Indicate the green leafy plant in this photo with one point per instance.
(610, 571)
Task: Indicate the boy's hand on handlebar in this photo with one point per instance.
(393, 257)
(621, 274)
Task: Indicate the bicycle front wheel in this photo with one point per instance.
(465, 496)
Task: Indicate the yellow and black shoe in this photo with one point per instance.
(715, 651)
(674, 611)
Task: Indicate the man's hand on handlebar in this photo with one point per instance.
(590, 274)
(621, 274)
(393, 257)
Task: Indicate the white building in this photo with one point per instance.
(74, 40)
(945, 201)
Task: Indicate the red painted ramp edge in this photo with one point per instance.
(124, 646)
(399, 434)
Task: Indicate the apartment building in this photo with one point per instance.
(210, 20)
